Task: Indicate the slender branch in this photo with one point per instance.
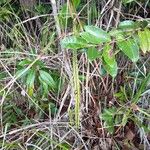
(54, 7)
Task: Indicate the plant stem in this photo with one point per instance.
(76, 89)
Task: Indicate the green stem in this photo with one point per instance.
(76, 88)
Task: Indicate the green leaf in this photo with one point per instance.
(24, 62)
(76, 3)
(90, 38)
(144, 40)
(124, 119)
(31, 77)
(141, 24)
(98, 34)
(127, 24)
(30, 81)
(46, 77)
(82, 77)
(120, 96)
(92, 53)
(109, 61)
(108, 55)
(142, 88)
(103, 72)
(108, 117)
(64, 12)
(73, 42)
(19, 73)
(64, 16)
(116, 32)
(130, 48)
(44, 86)
(3, 75)
(5, 14)
(40, 64)
(53, 108)
(111, 70)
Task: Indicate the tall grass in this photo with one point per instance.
(52, 97)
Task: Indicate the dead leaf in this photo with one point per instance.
(130, 135)
(134, 107)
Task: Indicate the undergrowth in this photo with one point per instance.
(74, 74)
